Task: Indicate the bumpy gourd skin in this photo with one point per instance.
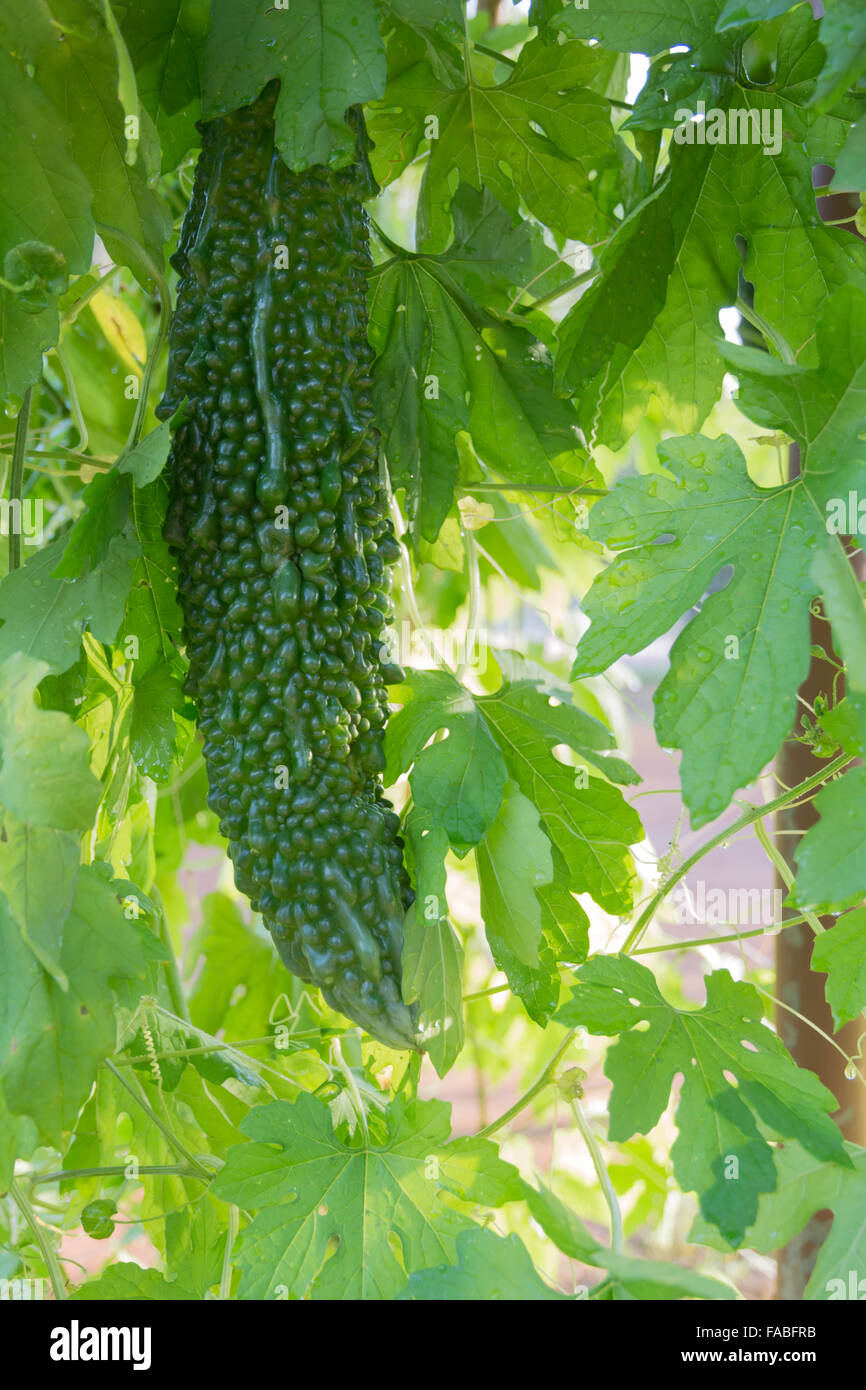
(279, 522)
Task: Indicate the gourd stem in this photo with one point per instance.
(598, 1163)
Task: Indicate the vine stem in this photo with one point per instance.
(549, 298)
(199, 1051)
(49, 1255)
(469, 488)
(117, 1170)
(225, 1291)
(784, 873)
(749, 818)
(598, 1163)
(475, 598)
(16, 477)
(494, 53)
(538, 1085)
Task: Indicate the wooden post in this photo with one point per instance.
(801, 988)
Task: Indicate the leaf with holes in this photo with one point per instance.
(336, 1218)
(736, 1075)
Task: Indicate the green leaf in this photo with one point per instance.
(644, 26)
(738, 12)
(382, 1199)
(586, 819)
(146, 460)
(153, 616)
(540, 137)
(843, 34)
(649, 326)
(850, 172)
(327, 54)
(23, 339)
(79, 72)
(659, 1281)
(105, 502)
(165, 39)
(459, 780)
(39, 872)
(130, 1283)
(514, 862)
(840, 952)
(831, 867)
(432, 950)
(445, 365)
(514, 859)
(56, 208)
(561, 1224)
(195, 1242)
(153, 731)
(806, 1185)
(52, 1041)
(45, 617)
(488, 1268)
(729, 697)
(821, 407)
(45, 777)
(720, 1153)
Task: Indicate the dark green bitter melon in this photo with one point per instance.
(280, 525)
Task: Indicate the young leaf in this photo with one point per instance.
(720, 1153)
(514, 859)
(841, 953)
(458, 780)
(316, 1193)
(831, 866)
(432, 950)
(487, 1267)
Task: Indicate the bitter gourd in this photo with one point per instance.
(279, 522)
